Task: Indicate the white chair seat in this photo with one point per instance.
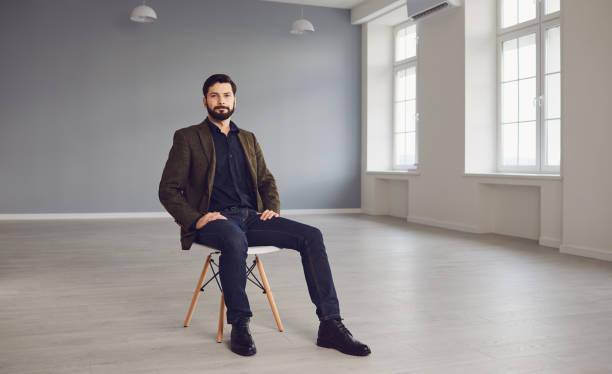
(255, 250)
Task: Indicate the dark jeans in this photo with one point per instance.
(244, 228)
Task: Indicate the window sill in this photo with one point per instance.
(515, 176)
(393, 174)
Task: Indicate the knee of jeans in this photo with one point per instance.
(314, 235)
(235, 245)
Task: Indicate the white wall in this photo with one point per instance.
(439, 193)
(571, 212)
(587, 181)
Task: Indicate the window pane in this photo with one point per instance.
(553, 95)
(509, 60)
(405, 43)
(411, 83)
(552, 6)
(411, 41)
(400, 117)
(509, 12)
(526, 10)
(400, 85)
(405, 148)
(553, 50)
(400, 148)
(509, 143)
(527, 56)
(400, 44)
(410, 115)
(553, 142)
(527, 94)
(509, 102)
(527, 143)
(410, 148)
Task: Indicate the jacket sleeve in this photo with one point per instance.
(173, 181)
(266, 183)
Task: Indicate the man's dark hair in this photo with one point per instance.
(218, 78)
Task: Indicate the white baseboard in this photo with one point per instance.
(372, 212)
(53, 216)
(292, 212)
(600, 254)
(444, 225)
(549, 242)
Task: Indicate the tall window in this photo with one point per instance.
(405, 116)
(529, 86)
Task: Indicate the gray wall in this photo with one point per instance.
(89, 100)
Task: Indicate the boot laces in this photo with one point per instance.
(342, 328)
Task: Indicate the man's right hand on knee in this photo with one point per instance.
(210, 216)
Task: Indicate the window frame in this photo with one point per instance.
(406, 63)
(537, 26)
(545, 25)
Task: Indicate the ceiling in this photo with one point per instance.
(344, 4)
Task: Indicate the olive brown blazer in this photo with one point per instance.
(188, 177)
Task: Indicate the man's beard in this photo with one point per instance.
(220, 116)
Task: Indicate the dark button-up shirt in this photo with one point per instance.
(232, 184)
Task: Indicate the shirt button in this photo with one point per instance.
(230, 156)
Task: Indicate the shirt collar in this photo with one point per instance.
(213, 127)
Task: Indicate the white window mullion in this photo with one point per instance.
(540, 125)
(547, 78)
(541, 83)
(538, 96)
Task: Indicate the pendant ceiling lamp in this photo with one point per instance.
(302, 25)
(143, 14)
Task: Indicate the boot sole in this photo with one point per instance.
(325, 344)
(248, 352)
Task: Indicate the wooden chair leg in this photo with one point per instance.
(264, 279)
(221, 320)
(196, 294)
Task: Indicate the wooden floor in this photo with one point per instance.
(110, 296)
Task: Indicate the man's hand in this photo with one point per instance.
(210, 216)
(267, 214)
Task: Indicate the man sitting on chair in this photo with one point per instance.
(218, 189)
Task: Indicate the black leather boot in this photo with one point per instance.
(242, 343)
(333, 334)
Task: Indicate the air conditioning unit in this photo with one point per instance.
(421, 8)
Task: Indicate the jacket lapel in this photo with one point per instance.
(249, 152)
(208, 146)
(208, 149)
